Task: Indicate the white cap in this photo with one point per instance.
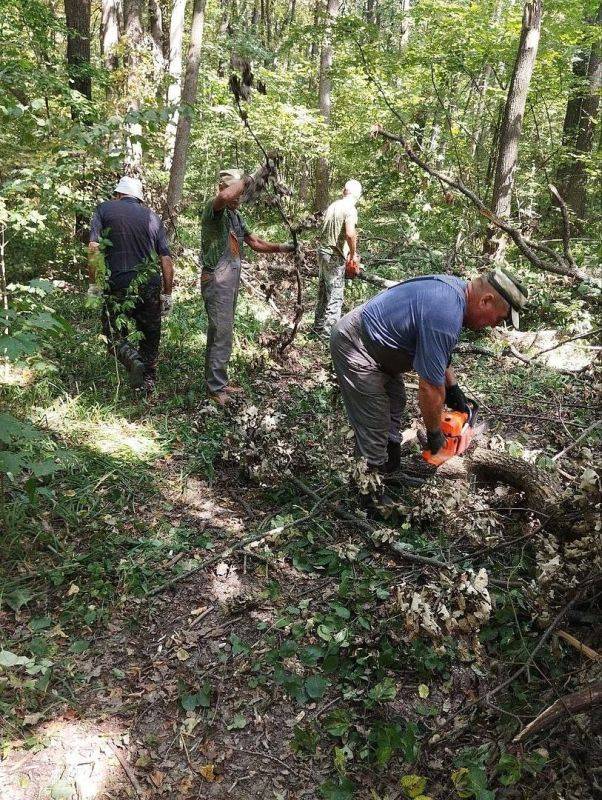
(354, 188)
(131, 187)
(229, 176)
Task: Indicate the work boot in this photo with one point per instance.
(130, 358)
(367, 479)
(149, 385)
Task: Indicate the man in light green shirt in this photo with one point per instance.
(338, 244)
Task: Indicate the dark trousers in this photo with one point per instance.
(145, 311)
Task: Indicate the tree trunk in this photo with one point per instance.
(322, 166)
(406, 23)
(189, 93)
(495, 243)
(313, 51)
(109, 33)
(132, 14)
(77, 16)
(579, 124)
(155, 19)
(174, 91)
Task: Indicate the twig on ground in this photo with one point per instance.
(254, 537)
(259, 754)
(583, 648)
(396, 547)
(566, 341)
(577, 440)
(571, 704)
(127, 769)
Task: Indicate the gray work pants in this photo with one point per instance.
(220, 293)
(331, 288)
(374, 400)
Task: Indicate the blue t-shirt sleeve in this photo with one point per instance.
(161, 244)
(435, 342)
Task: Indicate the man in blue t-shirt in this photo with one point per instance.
(134, 248)
(414, 325)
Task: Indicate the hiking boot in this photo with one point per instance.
(130, 358)
(149, 384)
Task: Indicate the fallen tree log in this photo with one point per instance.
(542, 491)
(575, 703)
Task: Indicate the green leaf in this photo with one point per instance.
(237, 723)
(344, 790)
(200, 699)
(10, 462)
(382, 691)
(338, 723)
(42, 468)
(40, 623)
(315, 686)
(18, 598)
(340, 610)
(8, 659)
(413, 785)
(79, 646)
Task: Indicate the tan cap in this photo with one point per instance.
(509, 287)
(229, 176)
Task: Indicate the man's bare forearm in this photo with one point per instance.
(261, 246)
(430, 401)
(229, 194)
(351, 239)
(167, 270)
(94, 257)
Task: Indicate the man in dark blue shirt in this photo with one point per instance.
(134, 243)
(413, 325)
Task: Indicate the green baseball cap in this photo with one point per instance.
(511, 289)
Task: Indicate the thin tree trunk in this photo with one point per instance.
(324, 89)
(109, 33)
(77, 16)
(189, 94)
(132, 12)
(579, 125)
(155, 19)
(406, 23)
(313, 51)
(174, 91)
(495, 244)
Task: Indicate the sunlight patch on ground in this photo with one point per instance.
(114, 436)
(11, 375)
(75, 760)
(573, 356)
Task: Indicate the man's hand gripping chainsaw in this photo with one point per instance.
(459, 429)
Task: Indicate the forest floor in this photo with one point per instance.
(156, 661)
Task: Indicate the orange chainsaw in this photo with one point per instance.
(459, 429)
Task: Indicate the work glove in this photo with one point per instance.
(352, 268)
(456, 399)
(435, 440)
(166, 304)
(94, 290)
